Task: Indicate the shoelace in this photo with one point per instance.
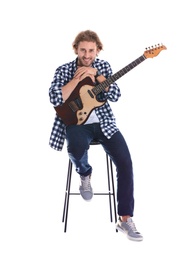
(86, 183)
(131, 224)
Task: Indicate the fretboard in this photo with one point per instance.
(100, 87)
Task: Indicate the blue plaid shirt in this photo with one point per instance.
(63, 75)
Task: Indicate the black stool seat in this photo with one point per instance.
(110, 192)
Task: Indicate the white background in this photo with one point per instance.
(155, 114)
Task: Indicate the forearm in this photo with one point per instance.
(113, 93)
(68, 88)
(100, 79)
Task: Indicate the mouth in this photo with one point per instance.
(86, 60)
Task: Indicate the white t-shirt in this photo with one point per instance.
(92, 118)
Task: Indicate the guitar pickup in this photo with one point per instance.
(75, 105)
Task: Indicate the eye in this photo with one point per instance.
(82, 50)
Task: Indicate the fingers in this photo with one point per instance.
(85, 75)
(88, 70)
(83, 72)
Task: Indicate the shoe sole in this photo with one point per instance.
(86, 200)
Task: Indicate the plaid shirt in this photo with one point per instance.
(63, 75)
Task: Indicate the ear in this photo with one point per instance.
(97, 52)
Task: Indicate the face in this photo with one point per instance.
(87, 52)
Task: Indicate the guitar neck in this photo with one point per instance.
(100, 87)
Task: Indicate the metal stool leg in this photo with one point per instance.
(111, 183)
(67, 193)
(113, 191)
(109, 188)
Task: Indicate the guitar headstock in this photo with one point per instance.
(152, 51)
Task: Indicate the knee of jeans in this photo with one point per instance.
(77, 153)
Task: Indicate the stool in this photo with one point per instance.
(110, 192)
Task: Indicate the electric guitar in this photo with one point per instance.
(83, 100)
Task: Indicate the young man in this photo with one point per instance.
(100, 125)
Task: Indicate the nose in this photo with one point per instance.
(86, 54)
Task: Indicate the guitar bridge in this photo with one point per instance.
(75, 105)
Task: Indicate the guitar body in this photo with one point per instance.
(82, 101)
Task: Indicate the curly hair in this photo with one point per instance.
(88, 36)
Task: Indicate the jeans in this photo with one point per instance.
(78, 139)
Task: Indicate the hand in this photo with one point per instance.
(83, 72)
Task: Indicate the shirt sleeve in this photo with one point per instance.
(55, 92)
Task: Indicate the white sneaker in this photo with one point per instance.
(85, 188)
(129, 229)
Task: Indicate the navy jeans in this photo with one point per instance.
(78, 141)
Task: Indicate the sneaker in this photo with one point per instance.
(85, 188)
(129, 229)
